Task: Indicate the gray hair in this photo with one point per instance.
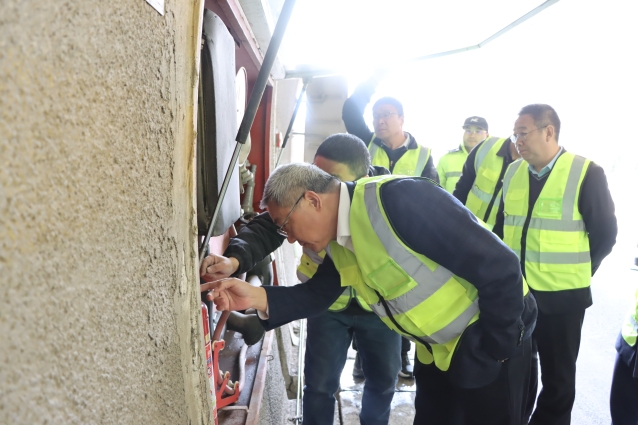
(288, 182)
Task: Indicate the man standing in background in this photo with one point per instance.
(558, 216)
(451, 164)
(390, 147)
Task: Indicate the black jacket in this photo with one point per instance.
(352, 115)
(597, 208)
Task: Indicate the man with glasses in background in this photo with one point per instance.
(390, 147)
(558, 216)
(475, 130)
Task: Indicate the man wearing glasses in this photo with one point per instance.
(475, 130)
(390, 147)
(330, 333)
(558, 216)
(425, 265)
(479, 187)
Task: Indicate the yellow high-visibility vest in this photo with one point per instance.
(557, 254)
(310, 263)
(431, 305)
(450, 167)
(488, 168)
(412, 163)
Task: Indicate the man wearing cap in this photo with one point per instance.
(480, 183)
(451, 164)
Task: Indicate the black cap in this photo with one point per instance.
(477, 121)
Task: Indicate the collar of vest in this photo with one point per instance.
(411, 144)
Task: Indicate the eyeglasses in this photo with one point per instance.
(523, 136)
(281, 230)
(383, 116)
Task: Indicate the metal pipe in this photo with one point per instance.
(528, 15)
(262, 78)
(302, 335)
(292, 119)
(251, 111)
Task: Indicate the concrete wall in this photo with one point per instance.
(99, 308)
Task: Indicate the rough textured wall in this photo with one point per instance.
(99, 310)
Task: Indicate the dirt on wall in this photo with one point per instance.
(99, 309)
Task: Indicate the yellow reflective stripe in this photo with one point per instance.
(483, 151)
(557, 257)
(424, 155)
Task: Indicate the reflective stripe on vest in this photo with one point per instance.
(449, 174)
(411, 163)
(630, 326)
(487, 166)
(557, 253)
(308, 266)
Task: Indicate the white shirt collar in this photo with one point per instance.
(343, 219)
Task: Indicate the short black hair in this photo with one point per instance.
(346, 149)
(390, 101)
(543, 115)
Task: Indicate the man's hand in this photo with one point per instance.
(235, 294)
(215, 267)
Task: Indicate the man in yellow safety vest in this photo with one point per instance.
(450, 166)
(558, 216)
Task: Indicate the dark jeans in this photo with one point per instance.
(623, 400)
(557, 337)
(329, 336)
(500, 402)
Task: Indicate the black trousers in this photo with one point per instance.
(557, 338)
(623, 400)
(438, 401)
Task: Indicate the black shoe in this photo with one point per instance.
(357, 372)
(406, 368)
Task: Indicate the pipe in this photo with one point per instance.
(292, 119)
(262, 78)
(242, 365)
(302, 336)
(251, 111)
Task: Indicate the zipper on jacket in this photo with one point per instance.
(387, 311)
